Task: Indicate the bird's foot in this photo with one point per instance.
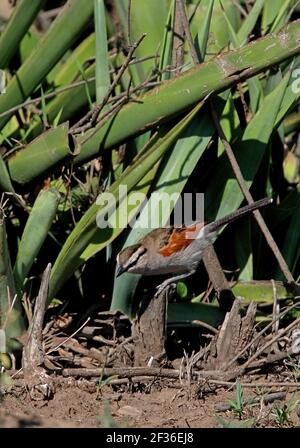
(166, 287)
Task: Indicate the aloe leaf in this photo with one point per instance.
(223, 193)
(24, 14)
(256, 93)
(174, 96)
(291, 123)
(282, 15)
(183, 314)
(237, 39)
(64, 31)
(202, 36)
(51, 143)
(145, 17)
(5, 182)
(218, 31)
(261, 291)
(102, 60)
(28, 44)
(243, 251)
(232, 33)
(7, 286)
(166, 47)
(10, 320)
(270, 12)
(82, 53)
(35, 232)
(250, 22)
(290, 248)
(130, 209)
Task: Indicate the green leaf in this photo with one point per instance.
(183, 314)
(145, 17)
(64, 31)
(5, 182)
(173, 97)
(182, 290)
(51, 143)
(223, 194)
(291, 245)
(68, 72)
(11, 320)
(202, 36)
(102, 60)
(250, 21)
(24, 14)
(35, 232)
(243, 249)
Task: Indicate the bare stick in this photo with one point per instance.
(93, 114)
(71, 86)
(279, 316)
(241, 181)
(238, 173)
(268, 344)
(210, 258)
(187, 31)
(33, 353)
(253, 400)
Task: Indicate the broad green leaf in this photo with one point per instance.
(243, 251)
(24, 14)
(145, 17)
(5, 182)
(102, 60)
(82, 53)
(219, 37)
(10, 320)
(291, 245)
(223, 194)
(28, 44)
(249, 23)
(165, 59)
(282, 15)
(173, 97)
(183, 314)
(64, 31)
(261, 291)
(202, 36)
(132, 208)
(270, 12)
(51, 143)
(35, 232)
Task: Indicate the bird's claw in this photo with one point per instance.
(168, 287)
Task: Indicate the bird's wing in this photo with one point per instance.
(180, 238)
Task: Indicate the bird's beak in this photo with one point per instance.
(120, 270)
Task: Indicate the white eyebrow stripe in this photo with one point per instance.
(135, 256)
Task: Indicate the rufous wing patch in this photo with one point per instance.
(180, 239)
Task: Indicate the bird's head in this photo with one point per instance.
(132, 259)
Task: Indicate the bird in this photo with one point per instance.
(177, 251)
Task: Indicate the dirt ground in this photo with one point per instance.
(158, 405)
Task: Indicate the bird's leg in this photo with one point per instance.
(171, 280)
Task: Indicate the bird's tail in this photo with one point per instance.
(216, 225)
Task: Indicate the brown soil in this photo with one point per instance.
(164, 406)
(141, 397)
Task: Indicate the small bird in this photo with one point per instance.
(176, 251)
